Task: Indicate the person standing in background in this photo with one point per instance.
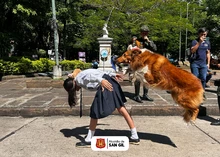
(200, 56)
(133, 43)
(143, 42)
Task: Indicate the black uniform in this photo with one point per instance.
(152, 47)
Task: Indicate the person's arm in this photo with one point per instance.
(154, 47)
(151, 43)
(94, 81)
(195, 47)
(208, 58)
(129, 47)
(197, 43)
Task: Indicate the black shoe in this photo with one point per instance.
(134, 141)
(138, 99)
(217, 122)
(146, 97)
(83, 144)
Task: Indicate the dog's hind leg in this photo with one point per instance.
(190, 114)
(195, 113)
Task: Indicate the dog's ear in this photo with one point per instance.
(138, 43)
(135, 52)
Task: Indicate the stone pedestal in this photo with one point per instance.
(105, 53)
(57, 72)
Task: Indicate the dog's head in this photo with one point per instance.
(129, 55)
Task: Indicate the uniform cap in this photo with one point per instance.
(144, 28)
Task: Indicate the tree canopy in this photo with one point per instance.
(29, 24)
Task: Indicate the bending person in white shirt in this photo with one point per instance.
(109, 96)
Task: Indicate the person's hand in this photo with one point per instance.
(107, 85)
(146, 38)
(119, 77)
(70, 75)
(208, 66)
(202, 38)
(135, 48)
(218, 65)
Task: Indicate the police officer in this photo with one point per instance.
(145, 42)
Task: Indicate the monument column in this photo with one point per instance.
(105, 51)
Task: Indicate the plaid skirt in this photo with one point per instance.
(105, 102)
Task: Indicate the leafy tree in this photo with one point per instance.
(213, 24)
(80, 23)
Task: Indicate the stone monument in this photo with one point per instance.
(105, 51)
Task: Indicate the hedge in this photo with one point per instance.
(25, 65)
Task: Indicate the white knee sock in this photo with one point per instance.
(89, 135)
(134, 134)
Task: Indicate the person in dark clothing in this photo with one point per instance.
(145, 42)
(95, 64)
(114, 64)
(200, 56)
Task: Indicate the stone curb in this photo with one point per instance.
(136, 110)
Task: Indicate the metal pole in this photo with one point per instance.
(180, 40)
(55, 32)
(57, 71)
(187, 8)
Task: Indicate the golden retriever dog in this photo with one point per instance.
(154, 70)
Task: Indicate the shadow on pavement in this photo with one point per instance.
(129, 95)
(207, 118)
(78, 131)
(211, 90)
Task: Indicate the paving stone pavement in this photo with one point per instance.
(18, 100)
(56, 136)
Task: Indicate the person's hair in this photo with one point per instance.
(202, 30)
(68, 84)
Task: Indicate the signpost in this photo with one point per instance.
(57, 71)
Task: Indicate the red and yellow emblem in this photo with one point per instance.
(100, 143)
